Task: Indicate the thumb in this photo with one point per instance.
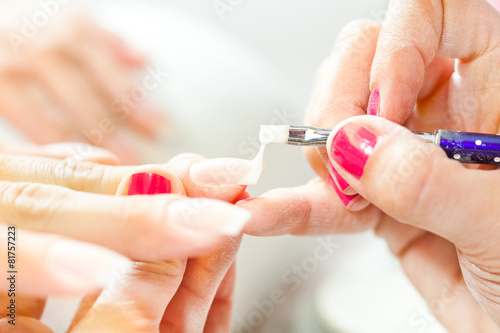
(412, 180)
(413, 33)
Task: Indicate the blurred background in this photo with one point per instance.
(227, 67)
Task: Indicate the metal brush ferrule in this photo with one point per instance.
(308, 136)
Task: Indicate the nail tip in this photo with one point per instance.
(209, 216)
(237, 225)
(225, 172)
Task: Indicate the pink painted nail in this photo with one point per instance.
(346, 199)
(339, 180)
(351, 147)
(148, 184)
(247, 200)
(374, 103)
(341, 183)
(495, 3)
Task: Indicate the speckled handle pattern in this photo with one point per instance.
(468, 147)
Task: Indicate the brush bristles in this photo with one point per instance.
(274, 133)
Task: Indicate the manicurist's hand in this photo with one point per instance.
(81, 221)
(438, 216)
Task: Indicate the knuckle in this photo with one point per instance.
(26, 202)
(80, 175)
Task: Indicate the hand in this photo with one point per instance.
(75, 82)
(159, 228)
(426, 206)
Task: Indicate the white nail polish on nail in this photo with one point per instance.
(85, 265)
(209, 216)
(226, 171)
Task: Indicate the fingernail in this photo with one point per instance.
(346, 199)
(208, 216)
(246, 200)
(148, 184)
(127, 53)
(83, 265)
(351, 147)
(337, 178)
(225, 171)
(496, 4)
(374, 103)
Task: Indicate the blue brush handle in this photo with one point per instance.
(468, 147)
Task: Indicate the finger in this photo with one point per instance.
(25, 325)
(190, 306)
(41, 265)
(219, 316)
(311, 209)
(24, 306)
(70, 89)
(342, 89)
(88, 30)
(117, 85)
(79, 152)
(110, 65)
(127, 54)
(411, 180)
(91, 177)
(430, 262)
(83, 309)
(136, 226)
(414, 32)
(157, 280)
(34, 116)
(436, 74)
(136, 302)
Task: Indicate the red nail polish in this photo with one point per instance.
(346, 199)
(374, 103)
(351, 147)
(339, 180)
(148, 184)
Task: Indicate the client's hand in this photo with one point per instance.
(73, 236)
(75, 81)
(426, 206)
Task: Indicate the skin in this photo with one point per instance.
(180, 282)
(70, 80)
(439, 218)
